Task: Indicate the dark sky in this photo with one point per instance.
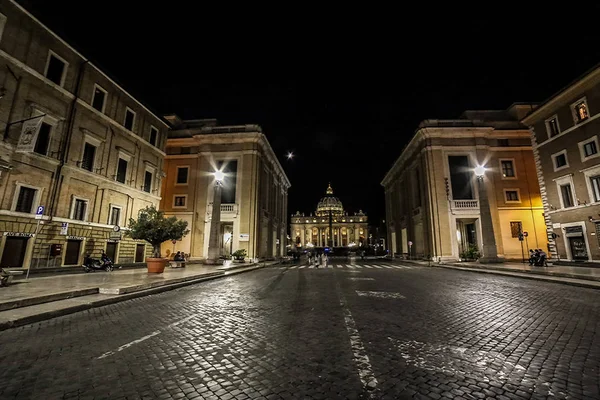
(342, 87)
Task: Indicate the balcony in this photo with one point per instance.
(226, 209)
(465, 204)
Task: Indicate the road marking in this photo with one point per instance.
(302, 266)
(350, 266)
(361, 359)
(383, 295)
(386, 266)
(339, 266)
(399, 267)
(377, 266)
(361, 279)
(311, 267)
(294, 267)
(367, 266)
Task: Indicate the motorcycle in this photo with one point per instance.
(92, 264)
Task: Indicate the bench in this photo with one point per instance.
(176, 264)
(7, 276)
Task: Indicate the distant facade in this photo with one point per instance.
(564, 132)
(253, 196)
(73, 142)
(309, 231)
(431, 196)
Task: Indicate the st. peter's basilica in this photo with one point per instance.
(313, 230)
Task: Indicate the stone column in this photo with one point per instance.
(215, 226)
(490, 252)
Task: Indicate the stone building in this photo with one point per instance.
(73, 142)
(308, 231)
(253, 196)
(431, 195)
(564, 133)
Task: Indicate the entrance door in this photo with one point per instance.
(140, 249)
(72, 252)
(111, 251)
(14, 252)
(578, 249)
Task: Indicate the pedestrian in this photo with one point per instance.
(531, 257)
(541, 258)
(309, 255)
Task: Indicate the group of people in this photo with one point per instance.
(537, 257)
(317, 259)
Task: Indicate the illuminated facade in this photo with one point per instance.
(431, 195)
(313, 230)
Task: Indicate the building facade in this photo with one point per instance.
(313, 230)
(253, 195)
(431, 193)
(74, 143)
(564, 133)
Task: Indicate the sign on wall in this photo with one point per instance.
(244, 237)
(19, 234)
(64, 228)
(29, 134)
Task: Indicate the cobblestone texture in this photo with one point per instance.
(281, 334)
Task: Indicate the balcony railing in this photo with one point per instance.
(465, 204)
(225, 209)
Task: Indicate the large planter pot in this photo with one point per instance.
(156, 265)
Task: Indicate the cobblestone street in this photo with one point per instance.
(374, 330)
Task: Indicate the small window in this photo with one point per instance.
(121, 170)
(79, 209)
(179, 201)
(512, 196)
(147, 182)
(55, 69)
(508, 168)
(25, 199)
(115, 216)
(552, 127)
(129, 119)
(516, 227)
(560, 160)
(43, 139)
(89, 155)
(567, 195)
(153, 135)
(589, 149)
(182, 175)
(595, 182)
(581, 111)
(99, 98)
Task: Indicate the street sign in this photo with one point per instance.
(520, 237)
(525, 234)
(64, 228)
(39, 213)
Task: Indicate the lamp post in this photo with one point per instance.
(215, 223)
(490, 252)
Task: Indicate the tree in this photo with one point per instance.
(154, 228)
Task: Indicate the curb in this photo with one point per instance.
(4, 325)
(547, 278)
(32, 301)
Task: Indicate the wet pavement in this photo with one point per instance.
(343, 332)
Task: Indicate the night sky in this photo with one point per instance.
(343, 88)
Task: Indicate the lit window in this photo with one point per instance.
(552, 127)
(581, 111)
(508, 168)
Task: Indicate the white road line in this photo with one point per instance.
(339, 266)
(367, 266)
(397, 267)
(311, 267)
(361, 359)
(383, 295)
(377, 266)
(350, 266)
(294, 267)
(361, 279)
(386, 266)
(302, 266)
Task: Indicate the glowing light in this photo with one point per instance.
(479, 170)
(219, 176)
(290, 155)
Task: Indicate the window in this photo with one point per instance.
(56, 69)
(552, 126)
(566, 195)
(43, 139)
(595, 184)
(589, 148)
(99, 98)
(580, 111)
(153, 135)
(560, 160)
(508, 168)
(121, 170)
(512, 196)
(25, 199)
(147, 182)
(129, 119)
(79, 209)
(228, 192)
(89, 155)
(461, 176)
(114, 216)
(182, 175)
(516, 227)
(179, 201)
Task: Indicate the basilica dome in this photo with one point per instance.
(328, 204)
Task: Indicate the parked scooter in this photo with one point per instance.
(92, 264)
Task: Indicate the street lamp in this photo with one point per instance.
(490, 252)
(215, 223)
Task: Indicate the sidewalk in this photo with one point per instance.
(578, 276)
(39, 298)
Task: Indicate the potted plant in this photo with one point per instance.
(153, 227)
(471, 254)
(239, 255)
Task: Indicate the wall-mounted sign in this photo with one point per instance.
(64, 228)
(19, 234)
(244, 237)
(112, 240)
(75, 238)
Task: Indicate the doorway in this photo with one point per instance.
(140, 249)
(111, 251)
(577, 243)
(72, 252)
(14, 252)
